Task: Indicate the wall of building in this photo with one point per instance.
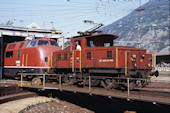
(163, 63)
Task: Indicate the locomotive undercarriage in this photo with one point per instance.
(107, 78)
(36, 73)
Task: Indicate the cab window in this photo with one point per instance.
(54, 43)
(107, 44)
(9, 54)
(31, 44)
(100, 41)
(43, 42)
(90, 43)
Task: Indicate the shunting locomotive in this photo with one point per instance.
(108, 65)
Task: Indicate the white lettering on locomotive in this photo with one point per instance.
(105, 60)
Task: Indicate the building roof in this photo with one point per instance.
(25, 32)
(34, 26)
(28, 29)
(164, 51)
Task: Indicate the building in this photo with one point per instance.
(163, 59)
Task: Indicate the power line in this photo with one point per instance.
(66, 12)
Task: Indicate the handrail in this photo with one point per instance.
(73, 61)
(80, 61)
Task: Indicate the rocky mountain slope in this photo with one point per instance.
(147, 28)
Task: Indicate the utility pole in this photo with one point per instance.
(1, 56)
(139, 24)
(154, 44)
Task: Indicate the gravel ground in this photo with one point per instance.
(18, 105)
(40, 104)
(56, 106)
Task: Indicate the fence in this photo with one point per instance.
(60, 82)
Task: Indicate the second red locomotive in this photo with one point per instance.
(108, 65)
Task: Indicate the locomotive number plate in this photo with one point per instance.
(105, 60)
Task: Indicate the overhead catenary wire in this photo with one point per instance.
(105, 19)
(66, 13)
(35, 10)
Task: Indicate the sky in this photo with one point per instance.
(65, 15)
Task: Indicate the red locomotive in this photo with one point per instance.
(33, 56)
(108, 65)
(90, 57)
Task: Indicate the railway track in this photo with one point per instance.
(10, 92)
(155, 92)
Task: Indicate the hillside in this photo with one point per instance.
(153, 34)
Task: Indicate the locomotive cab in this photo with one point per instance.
(103, 40)
(100, 41)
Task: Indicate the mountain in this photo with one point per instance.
(153, 33)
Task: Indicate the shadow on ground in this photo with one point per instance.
(101, 104)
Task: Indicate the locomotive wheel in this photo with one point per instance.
(144, 83)
(70, 80)
(94, 82)
(83, 83)
(143, 75)
(36, 81)
(109, 83)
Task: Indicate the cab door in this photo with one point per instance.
(76, 57)
(89, 59)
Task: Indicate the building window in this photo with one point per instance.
(65, 56)
(18, 53)
(109, 54)
(9, 54)
(88, 55)
(59, 56)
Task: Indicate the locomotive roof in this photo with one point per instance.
(97, 35)
(32, 40)
(25, 42)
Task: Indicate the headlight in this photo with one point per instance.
(135, 64)
(149, 65)
(134, 56)
(143, 56)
